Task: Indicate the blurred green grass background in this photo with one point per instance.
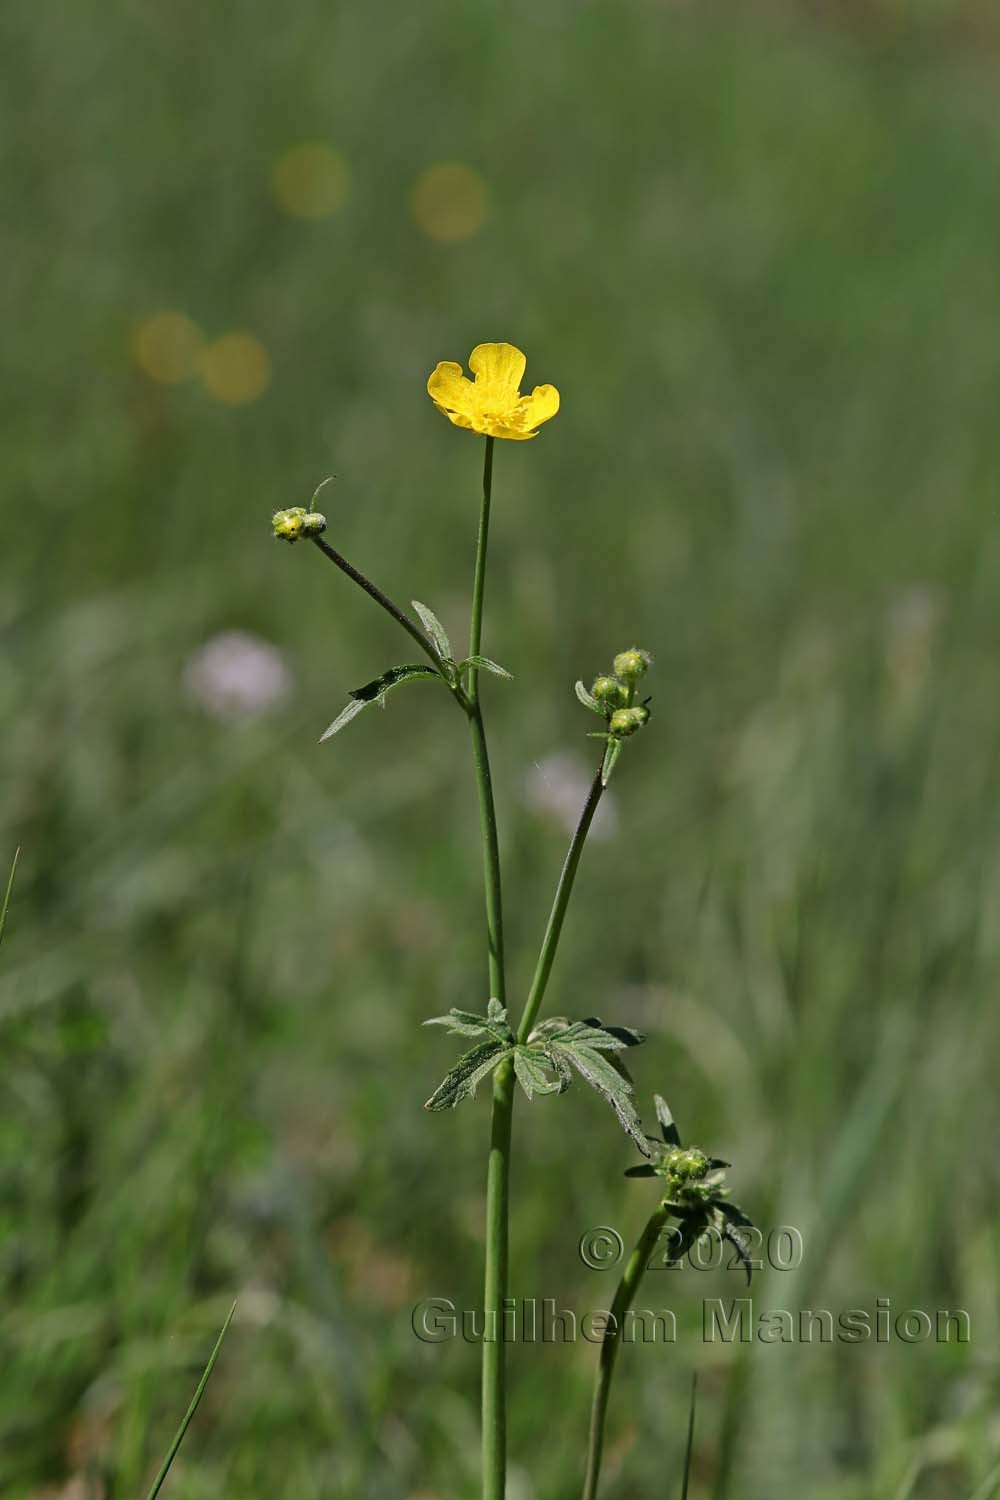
(756, 250)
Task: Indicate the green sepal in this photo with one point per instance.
(611, 754)
(588, 700)
(646, 1170)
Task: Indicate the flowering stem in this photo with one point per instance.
(374, 592)
(564, 890)
(494, 1395)
(479, 584)
(623, 1299)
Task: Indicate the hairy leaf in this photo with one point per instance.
(485, 664)
(599, 1073)
(612, 1037)
(342, 720)
(531, 1066)
(668, 1129)
(739, 1244)
(467, 1023)
(375, 692)
(434, 629)
(470, 1070)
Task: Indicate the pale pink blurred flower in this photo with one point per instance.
(557, 787)
(235, 675)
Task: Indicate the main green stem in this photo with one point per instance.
(494, 1392)
(623, 1299)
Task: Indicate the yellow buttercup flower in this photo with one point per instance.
(492, 403)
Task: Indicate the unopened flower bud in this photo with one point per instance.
(609, 692)
(631, 665)
(626, 721)
(296, 521)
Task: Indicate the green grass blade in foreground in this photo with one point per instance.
(6, 897)
(185, 1424)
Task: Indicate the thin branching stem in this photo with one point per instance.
(564, 890)
(625, 1295)
(374, 592)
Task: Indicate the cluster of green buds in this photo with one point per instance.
(693, 1187)
(693, 1179)
(612, 696)
(296, 521)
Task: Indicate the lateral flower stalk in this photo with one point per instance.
(693, 1194)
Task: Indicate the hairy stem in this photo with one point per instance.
(494, 1393)
(374, 592)
(564, 890)
(625, 1295)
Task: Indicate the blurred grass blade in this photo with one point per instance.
(989, 1487)
(690, 1437)
(10, 887)
(182, 1429)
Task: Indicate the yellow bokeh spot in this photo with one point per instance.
(309, 181)
(236, 369)
(449, 202)
(167, 347)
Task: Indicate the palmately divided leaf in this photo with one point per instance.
(486, 664)
(735, 1215)
(600, 1074)
(612, 1037)
(532, 1067)
(464, 1078)
(467, 1023)
(434, 629)
(740, 1246)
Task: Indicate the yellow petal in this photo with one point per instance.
(459, 419)
(450, 390)
(499, 366)
(530, 412)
